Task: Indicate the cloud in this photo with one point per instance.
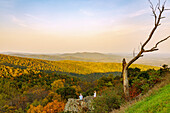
(18, 21)
(36, 18)
(138, 13)
(31, 16)
(31, 22)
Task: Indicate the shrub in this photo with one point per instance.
(67, 92)
(108, 101)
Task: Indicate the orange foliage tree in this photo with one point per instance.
(51, 107)
(57, 105)
(54, 107)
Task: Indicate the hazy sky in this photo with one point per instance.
(60, 26)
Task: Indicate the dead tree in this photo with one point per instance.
(157, 13)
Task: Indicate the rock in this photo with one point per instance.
(76, 105)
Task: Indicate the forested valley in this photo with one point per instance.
(32, 85)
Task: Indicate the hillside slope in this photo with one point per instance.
(158, 102)
(77, 67)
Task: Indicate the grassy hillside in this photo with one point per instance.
(158, 102)
(77, 67)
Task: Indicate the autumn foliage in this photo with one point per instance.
(54, 107)
(36, 86)
(51, 107)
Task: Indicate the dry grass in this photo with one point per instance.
(165, 81)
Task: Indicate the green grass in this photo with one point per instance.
(158, 102)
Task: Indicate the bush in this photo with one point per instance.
(107, 102)
(67, 92)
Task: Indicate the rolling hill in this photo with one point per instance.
(148, 59)
(16, 66)
(84, 56)
(69, 66)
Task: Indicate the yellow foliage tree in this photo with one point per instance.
(57, 84)
(77, 88)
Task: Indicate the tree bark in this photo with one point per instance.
(125, 79)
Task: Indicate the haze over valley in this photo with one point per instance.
(154, 59)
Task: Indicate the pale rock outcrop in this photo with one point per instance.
(78, 106)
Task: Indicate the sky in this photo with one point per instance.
(66, 26)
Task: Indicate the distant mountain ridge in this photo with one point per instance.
(84, 56)
(151, 59)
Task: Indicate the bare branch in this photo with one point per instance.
(161, 41)
(156, 45)
(159, 2)
(141, 44)
(135, 58)
(162, 17)
(157, 23)
(151, 50)
(164, 3)
(157, 5)
(150, 3)
(159, 9)
(142, 51)
(153, 11)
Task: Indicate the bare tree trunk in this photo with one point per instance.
(126, 84)
(125, 79)
(158, 17)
